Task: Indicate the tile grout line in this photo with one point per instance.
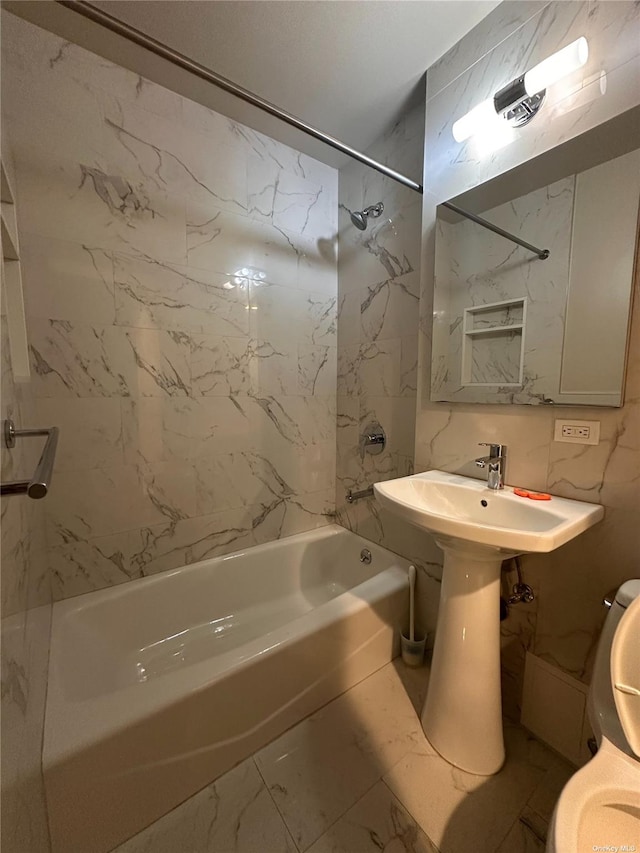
(408, 811)
(506, 835)
(487, 52)
(342, 814)
(280, 815)
(525, 822)
(339, 818)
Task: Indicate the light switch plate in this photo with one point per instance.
(577, 432)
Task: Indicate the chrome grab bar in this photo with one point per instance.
(38, 486)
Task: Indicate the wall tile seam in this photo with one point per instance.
(24, 610)
(149, 468)
(177, 267)
(184, 265)
(373, 283)
(184, 398)
(488, 52)
(118, 284)
(94, 544)
(179, 194)
(31, 595)
(613, 66)
(53, 524)
(187, 330)
(63, 550)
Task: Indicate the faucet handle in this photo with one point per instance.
(494, 449)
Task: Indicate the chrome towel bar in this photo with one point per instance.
(38, 486)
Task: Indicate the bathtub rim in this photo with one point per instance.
(71, 726)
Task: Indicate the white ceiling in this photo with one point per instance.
(349, 67)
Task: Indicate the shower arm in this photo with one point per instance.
(110, 22)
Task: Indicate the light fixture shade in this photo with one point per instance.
(475, 121)
(526, 91)
(556, 66)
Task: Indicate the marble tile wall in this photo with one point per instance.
(25, 620)
(378, 310)
(181, 295)
(563, 625)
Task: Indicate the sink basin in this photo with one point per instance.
(477, 528)
(466, 509)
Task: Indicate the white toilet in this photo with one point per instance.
(599, 808)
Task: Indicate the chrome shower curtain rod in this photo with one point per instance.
(543, 254)
(176, 58)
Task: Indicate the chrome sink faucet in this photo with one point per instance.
(496, 462)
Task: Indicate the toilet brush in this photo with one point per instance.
(412, 597)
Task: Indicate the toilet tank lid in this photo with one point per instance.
(627, 592)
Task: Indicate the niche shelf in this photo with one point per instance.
(12, 281)
(493, 344)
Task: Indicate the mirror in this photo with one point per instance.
(509, 327)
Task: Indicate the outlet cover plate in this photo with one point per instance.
(577, 432)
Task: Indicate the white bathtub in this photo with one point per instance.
(158, 686)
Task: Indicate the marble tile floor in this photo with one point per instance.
(358, 776)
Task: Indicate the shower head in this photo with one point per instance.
(359, 217)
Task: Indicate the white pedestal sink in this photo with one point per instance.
(477, 528)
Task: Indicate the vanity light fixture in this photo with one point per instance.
(519, 101)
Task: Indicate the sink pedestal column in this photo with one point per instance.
(462, 714)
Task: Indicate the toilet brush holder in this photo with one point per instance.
(413, 650)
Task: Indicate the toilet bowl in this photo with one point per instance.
(599, 807)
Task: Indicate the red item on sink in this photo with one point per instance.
(533, 496)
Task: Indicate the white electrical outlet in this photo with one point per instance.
(577, 432)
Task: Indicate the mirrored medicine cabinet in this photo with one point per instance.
(510, 327)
